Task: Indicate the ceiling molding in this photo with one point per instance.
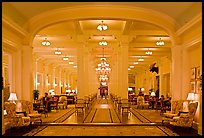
(189, 24)
(14, 26)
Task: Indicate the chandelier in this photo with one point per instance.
(46, 42)
(102, 26)
(65, 58)
(103, 69)
(160, 42)
(58, 52)
(103, 43)
(148, 52)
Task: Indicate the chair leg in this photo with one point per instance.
(162, 122)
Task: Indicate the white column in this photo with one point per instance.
(93, 82)
(45, 88)
(17, 71)
(176, 72)
(27, 68)
(185, 70)
(36, 75)
(113, 87)
(82, 71)
(123, 71)
(53, 78)
(11, 74)
(59, 82)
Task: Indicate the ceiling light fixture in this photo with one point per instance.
(103, 70)
(160, 42)
(65, 58)
(141, 59)
(58, 52)
(102, 26)
(148, 52)
(46, 42)
(71, 63)
(103, 42)
(136, 63)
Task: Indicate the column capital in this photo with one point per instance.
(125, 40)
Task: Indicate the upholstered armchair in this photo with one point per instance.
(176, 106)
(185, 120)
(141, 104)
(16, 120)
(62, 102)
(27, 107)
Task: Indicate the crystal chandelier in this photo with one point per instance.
(102, 26)
(160, 42)
(103, 69)
(46, 42)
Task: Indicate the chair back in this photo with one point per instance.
(62, 98)
(80, 101)
(27, 106)
(10, 109)
(192, 107)
(140, 100)
(177, 105)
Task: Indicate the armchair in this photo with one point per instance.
(125, 104)
(62, 102)
(80, 104)
(16, 120)
(185, 120)
(176, 106)
(141, 104)
(27, 106)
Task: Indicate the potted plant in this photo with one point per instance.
(35, 94)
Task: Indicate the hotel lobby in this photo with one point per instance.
(101, 68)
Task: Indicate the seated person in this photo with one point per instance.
(46, 102)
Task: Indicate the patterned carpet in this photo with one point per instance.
(63, 128)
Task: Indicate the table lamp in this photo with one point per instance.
(191, 96)
(13, 97)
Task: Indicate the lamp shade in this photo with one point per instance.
(12, 97)
(68, 90)
(153, 94)
(190, 96)
(5, 113)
